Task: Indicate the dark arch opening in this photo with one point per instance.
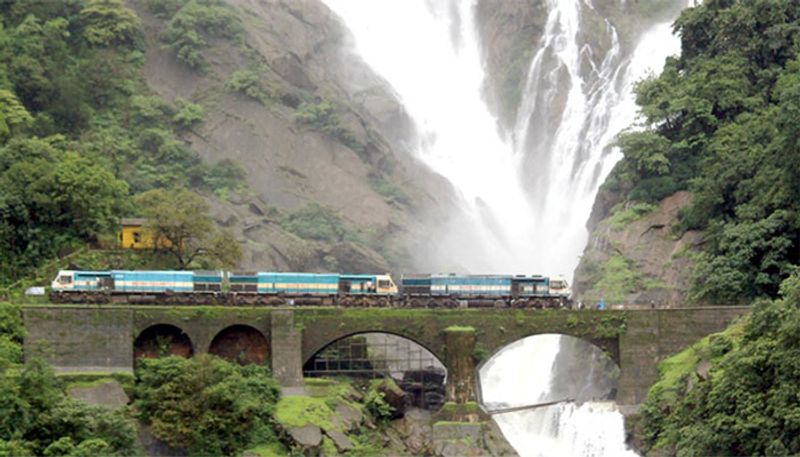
(241, 344)
(373, 355)
(162, 340)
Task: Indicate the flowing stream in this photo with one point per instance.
(525, 191)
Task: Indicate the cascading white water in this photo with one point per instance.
(525, 193)
(547, 368)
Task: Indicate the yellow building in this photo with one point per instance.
(134, 235)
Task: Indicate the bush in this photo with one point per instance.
(188, 113)
(375, 401)
(247, 82)
(196, 19)
(315, 222)
(393, 193)
(204, 404)
(620, 219)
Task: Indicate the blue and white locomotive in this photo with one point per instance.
(321, 289)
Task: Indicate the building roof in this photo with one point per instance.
(132, 221)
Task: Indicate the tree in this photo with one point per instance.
(13, 115)
(179, 219)
(204, 404)
(109, 22)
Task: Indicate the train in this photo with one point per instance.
(310, 289)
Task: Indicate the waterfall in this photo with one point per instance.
(524, 193)
(547, 368)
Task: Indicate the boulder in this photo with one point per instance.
(340, 440)
(347, 417)
(307, 438)
(394, 396)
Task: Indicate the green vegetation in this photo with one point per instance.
(318, 223)
(80, 132)
(188, 113)
(460, 328)
(206, 405)
(192, 23)
(325, 117)
(720, 121)
(613, 280)
(248, 82)
(393, 193)
(623, 217)
(178, 219)
(37, 418)
(733, 393)
(375, 399)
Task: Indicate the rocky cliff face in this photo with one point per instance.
(343, 166)
(634, 257)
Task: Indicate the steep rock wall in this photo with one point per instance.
(634, 257)
(360, 168)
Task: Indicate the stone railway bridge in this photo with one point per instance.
(106, 338)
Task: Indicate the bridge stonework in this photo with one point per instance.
(101, 338)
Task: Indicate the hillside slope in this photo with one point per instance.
(329, 183)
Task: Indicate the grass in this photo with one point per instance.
(299, 411)
(621, 219)
(617, 278)
(268, 450)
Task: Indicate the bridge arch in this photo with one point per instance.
(609, 345)
(240, 343)
(315, 341)
(547, 367)
(161, 340)
(377, 354)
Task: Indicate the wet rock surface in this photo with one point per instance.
(659, 259)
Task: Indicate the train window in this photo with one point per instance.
(557, 284)
(65, 279)
(383, 283)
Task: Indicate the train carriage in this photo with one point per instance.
(478, 291)
(326, 289)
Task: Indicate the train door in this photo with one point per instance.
(344, 286)
(515, 289)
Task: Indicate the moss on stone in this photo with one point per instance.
(299, 410)
(460, 328)
(328, 448)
